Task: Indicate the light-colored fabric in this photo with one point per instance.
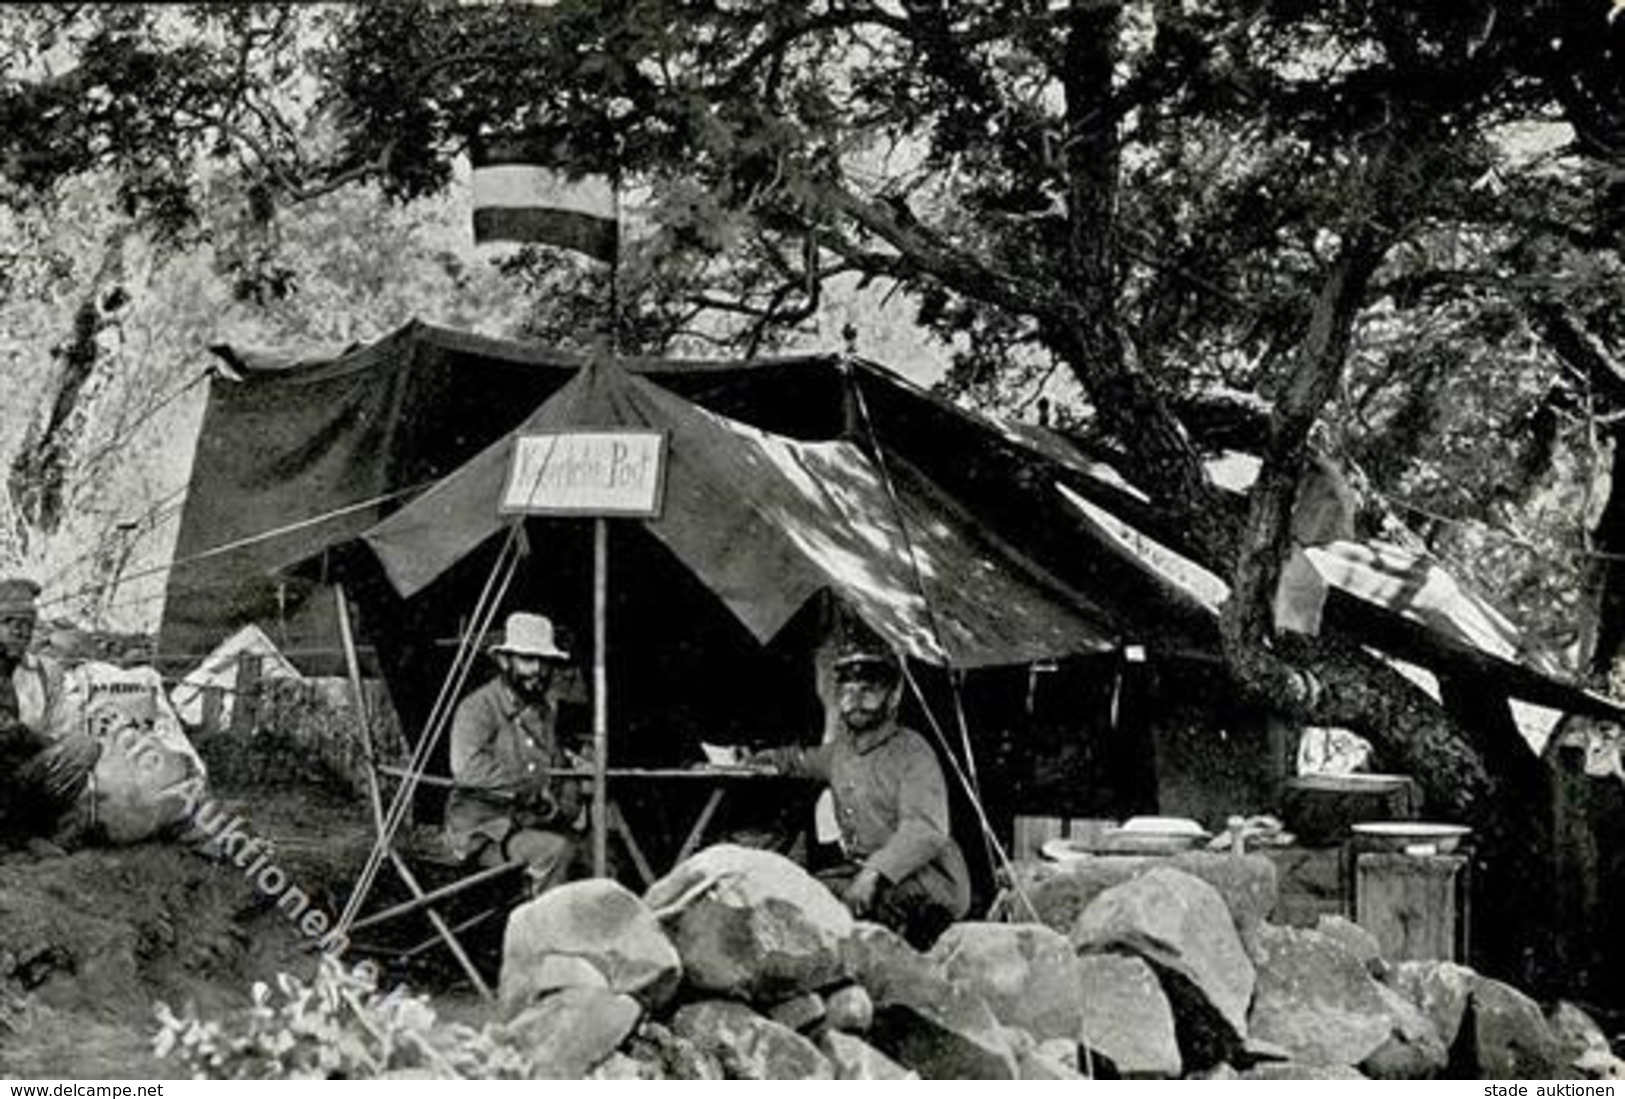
(767, 522)
(38, 683)
(547, 856)
(219, 669)
(826, 826)
(1327, 750)
(149, 776)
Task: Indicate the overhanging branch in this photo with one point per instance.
(927, 253)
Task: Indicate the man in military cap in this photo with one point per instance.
(43, 769)
(903, 867)
(504, 749)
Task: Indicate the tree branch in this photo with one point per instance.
(774, 45)
(926, 253)
(1568, 335)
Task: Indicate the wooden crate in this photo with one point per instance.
(1411, 903)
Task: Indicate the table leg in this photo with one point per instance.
(697, 833)
(617, 823)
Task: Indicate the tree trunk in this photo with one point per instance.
(1092, 341)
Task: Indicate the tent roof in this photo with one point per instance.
(767, 521)
(320, 449)
(1399, 602)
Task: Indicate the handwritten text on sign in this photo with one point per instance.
(587, 473)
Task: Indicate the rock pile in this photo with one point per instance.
(739, 965)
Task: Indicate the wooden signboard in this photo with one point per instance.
(616, 474)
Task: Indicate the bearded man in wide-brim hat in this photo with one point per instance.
(44, 768)
(508, 804)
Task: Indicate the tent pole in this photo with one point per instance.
(971, 793)
(364, 718)
(352, 665)
(501, 576)
(600, 698)
(955, 681)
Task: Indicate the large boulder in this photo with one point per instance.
(1299, 1070)
(749, 1046)
(1356, 940)
(597, 921)
(1028, 974)
(855, 1059)
(752, 924)
(1413, 1049)
(1180, 925)
(1585, 1047)
(1440, 989)
(1126, 1016)
(1510, 1038)
(571, 1031)
(1060, 892)
(1315, 999)
(956, 1038)
(891, 970)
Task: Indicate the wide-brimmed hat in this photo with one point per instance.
(17, 595)
(529, 635)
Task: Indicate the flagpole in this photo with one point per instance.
(615, 334)
(600, 585)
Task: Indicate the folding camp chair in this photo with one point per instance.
(452, 895)
(431, 903)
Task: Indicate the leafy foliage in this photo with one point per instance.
(339, 1026)
(1395, 226)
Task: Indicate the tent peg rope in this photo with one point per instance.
(491, 596)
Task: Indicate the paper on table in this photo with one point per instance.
(723, 755)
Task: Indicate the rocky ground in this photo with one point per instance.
(740, 965)
(90, 941)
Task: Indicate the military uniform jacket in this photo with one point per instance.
(499, 745)
(892, 806)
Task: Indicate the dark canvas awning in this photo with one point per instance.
(301, 455)
(767, 522)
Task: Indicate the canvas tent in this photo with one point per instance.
(379, 464)
(219, 670)
(301, 457)
(767, 522)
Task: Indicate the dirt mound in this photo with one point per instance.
(106, 930)
(89, 941)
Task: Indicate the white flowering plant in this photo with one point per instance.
(339, 1026)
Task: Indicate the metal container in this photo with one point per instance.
(1320, 809)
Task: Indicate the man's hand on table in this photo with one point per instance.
(784, 761)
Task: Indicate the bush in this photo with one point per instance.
(338, 1027)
